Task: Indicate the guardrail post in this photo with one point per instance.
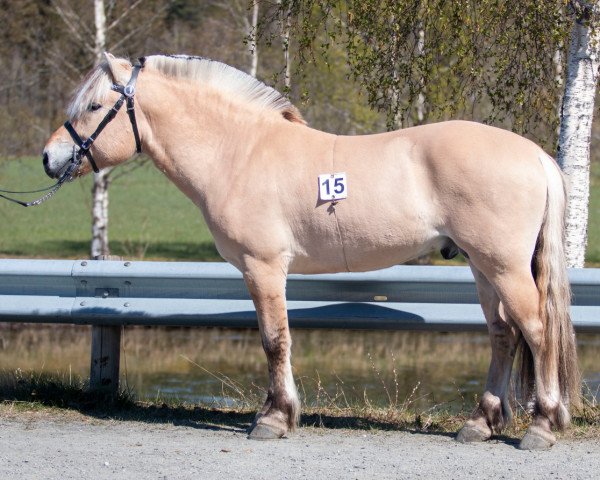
(106, 353)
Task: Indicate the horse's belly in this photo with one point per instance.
(350, 240)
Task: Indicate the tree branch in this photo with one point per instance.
(128, 10)
(71, 23)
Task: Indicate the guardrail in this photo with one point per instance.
(117, 293)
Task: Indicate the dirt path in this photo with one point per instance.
(47, 448)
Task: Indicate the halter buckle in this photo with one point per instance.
(129, 91)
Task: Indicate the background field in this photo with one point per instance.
(149, 218)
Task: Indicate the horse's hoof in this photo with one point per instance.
(537, 438)
(472, 434)
(265, 432)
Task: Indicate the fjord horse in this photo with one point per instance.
(280, 197)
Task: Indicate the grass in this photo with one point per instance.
(593, 249)
(149, 218)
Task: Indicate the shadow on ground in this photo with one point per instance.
(33, 392)
(30, 391)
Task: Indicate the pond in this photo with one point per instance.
(225, 367)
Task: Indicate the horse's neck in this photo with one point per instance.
(199, 140)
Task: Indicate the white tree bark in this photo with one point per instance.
(285, 27)
(253, 45)
(99, 244)
(100, 23)
(421, 97)
(575, 133)
(559, 79)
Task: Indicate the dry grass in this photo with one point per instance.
(31, 397)
(329, 399)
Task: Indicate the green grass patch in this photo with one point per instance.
(149, 217)
(593, 249)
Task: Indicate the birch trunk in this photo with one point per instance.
(253, 45)
(421, 97)
(575, 134)
(557, 60)
(286, 25)
(100, 213)
(99, 244)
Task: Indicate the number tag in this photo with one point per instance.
(333, 186)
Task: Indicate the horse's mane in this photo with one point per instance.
(208, 72)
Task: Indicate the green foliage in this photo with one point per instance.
(593, 247)
(489, 60)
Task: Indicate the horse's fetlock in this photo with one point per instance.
(492, 410)
(556, 412)
(287, 409)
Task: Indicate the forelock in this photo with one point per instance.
(96, 84)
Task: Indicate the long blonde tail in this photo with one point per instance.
(550, 272)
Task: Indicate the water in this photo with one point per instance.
(228, 367)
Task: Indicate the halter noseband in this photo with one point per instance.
(127, 93)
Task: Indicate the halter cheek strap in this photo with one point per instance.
(127, 93)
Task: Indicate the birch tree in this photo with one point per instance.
(99, 244)
(246, 26)
(253, 42)
(77, 26)
(576, 124)
(285, 25)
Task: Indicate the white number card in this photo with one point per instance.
(333, 186)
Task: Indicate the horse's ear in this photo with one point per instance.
(116, 68)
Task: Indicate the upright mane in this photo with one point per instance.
(208, 72)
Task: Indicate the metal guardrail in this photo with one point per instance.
(214, 294)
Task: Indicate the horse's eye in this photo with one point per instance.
(94, 106)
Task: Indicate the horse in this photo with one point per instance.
(280, 197)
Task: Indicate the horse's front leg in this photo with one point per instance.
(266, 283)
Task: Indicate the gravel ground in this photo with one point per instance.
(46, 448)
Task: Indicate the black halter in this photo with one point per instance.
(127, 93)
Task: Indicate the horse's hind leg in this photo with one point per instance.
(493, 412)
(280, 412)
(519, 295)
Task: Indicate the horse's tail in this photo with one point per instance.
(559, 352)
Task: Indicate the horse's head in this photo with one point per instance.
(99, 127)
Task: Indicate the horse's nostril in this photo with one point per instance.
(45, 159)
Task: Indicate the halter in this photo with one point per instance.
(127, 92)
(52, 189)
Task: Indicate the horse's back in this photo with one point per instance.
(412, 189)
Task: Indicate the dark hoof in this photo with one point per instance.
(472, 434)
(265, 432)
(537, 438)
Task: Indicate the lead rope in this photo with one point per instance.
(127, 93)
(52, 189)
